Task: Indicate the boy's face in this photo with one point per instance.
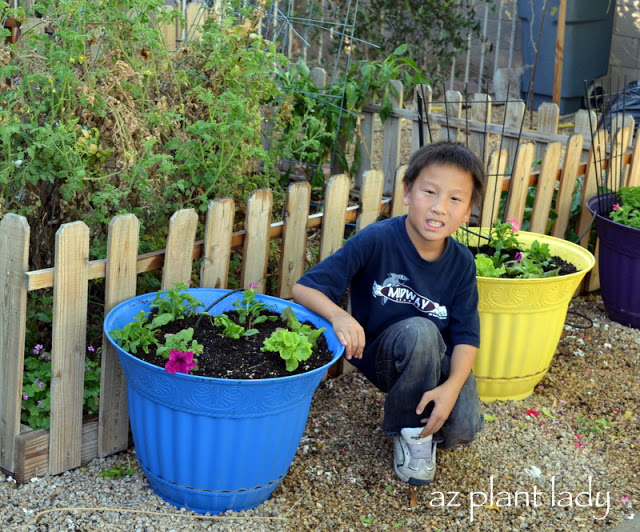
(439, 202)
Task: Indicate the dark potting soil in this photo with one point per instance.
(566, 268)
(241, 358)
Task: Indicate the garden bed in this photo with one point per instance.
(579, 431)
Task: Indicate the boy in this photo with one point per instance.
(414, 328)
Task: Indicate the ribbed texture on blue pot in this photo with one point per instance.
(619, 268)
(215, 444)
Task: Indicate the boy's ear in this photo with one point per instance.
(405, 196)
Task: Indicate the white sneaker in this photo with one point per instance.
(415, 457)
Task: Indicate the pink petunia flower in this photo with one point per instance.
(515, 225)
(616, 207)
(253, 285)
(180, 362)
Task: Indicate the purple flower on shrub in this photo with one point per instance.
(37, 349)
(519, 256)
(180, 362)
(25, 397)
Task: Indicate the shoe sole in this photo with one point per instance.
(412, 480)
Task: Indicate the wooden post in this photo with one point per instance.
(14, 262)
(68, 345)
(120, 285)
(557, 72)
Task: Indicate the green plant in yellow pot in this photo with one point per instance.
(525, 286)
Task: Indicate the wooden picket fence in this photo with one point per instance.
(73, 440)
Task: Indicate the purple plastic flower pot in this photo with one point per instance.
(618, 264)
(210, 444)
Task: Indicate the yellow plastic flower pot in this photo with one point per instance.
(521, 321)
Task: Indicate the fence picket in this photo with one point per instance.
(216, 252)
(68, 345)
(398, 208)
(370, 197)
(168, 31)
(426, 93)
(14, 263)
(336, 199)
(592, 179)
(493, 188)
(195, 16)
(546, 186)
(513, 116)
(120, 285)
(622, 140)
(480, 112)
(294, 238)
(178, 260)
(256, 242)
(633, 175)
(365, 141)
(453, 110)
(391, 140)
(519, 186)
(548, 120)
(585, 122)
(568, 180)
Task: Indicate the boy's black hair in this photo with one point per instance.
(446, 152)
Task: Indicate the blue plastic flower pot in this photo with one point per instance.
(211, 444)
(618, 264)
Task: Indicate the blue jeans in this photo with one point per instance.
(408, 359)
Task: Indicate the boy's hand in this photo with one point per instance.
(444, 398)
(351, 335)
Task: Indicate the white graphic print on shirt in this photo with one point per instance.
(393, 288)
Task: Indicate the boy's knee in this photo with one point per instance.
(421, 331)
(461, 431)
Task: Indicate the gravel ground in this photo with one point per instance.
(565, 458)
